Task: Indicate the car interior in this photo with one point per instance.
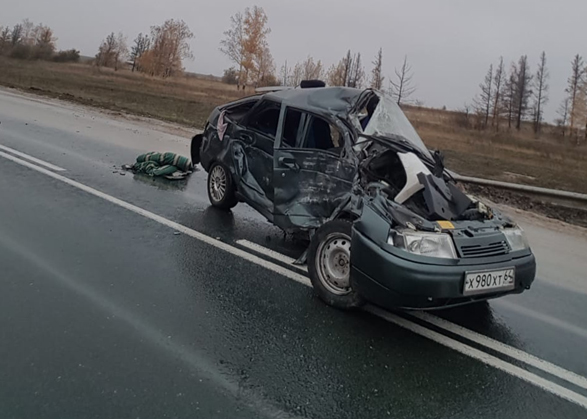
(320, 134)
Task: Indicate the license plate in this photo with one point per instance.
(482, 282)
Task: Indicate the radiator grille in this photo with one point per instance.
(479, 251)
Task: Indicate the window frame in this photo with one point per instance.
(300, 130)
(255, 100)
(306, 117)
(255, 109)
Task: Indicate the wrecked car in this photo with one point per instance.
(346, 166)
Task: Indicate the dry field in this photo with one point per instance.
(511, 156)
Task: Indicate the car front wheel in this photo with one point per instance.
(329, 265)
(221, 190)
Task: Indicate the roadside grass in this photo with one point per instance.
(506, 155)
(185, 100)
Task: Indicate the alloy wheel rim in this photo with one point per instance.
(218, 183)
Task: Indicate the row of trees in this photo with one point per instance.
(518, 95)
(26, 40)
(245, 44)
(514, 96)
(159, 54)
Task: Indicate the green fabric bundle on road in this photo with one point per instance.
(170, 165)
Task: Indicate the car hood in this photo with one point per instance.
(415, 191)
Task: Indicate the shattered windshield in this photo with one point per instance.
(388, 119)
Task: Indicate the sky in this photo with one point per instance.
(449, 43)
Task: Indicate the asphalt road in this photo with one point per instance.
(127, 297)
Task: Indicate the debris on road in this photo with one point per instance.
(169, 165)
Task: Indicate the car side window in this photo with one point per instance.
(291, 128)
(265, 119)
(322, 135)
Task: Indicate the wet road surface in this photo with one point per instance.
(123, 296)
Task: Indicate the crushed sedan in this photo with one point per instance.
(386, 222)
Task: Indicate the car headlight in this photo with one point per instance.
(438, 245)
(516, 239)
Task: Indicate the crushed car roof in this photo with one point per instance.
(337, 100)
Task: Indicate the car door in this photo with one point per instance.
(252, 151)
(313, 171)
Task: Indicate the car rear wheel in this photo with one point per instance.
(221, 190)
(329, 265)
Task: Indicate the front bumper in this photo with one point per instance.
(396, 283)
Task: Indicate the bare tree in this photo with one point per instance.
(347, 65)
(312, 70)
(563, 112)
(296, 76)
(345, 71)
(522, 91)
(540, 92)
(402, 87)
(581, 111)
(16, 35)
(356, 75)
(44, 42)
(106, 52)
(574, 84)
(335, 76)
(28, 33)
(113, 51)
(121, 52)
(484, 101)
(142, 43)
(377, 72)
(508, 95)
(284, 74)
(498, 87)
(233, 44)
(4, 40)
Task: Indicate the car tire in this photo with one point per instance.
(329, 265)
(221, 191)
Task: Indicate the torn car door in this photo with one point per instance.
(252, 152)
(313, 172)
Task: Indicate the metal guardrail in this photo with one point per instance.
(551, 193)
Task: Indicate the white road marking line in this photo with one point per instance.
(571, 328)
(33, 159)
(487, 359)
(483, 340)
(420, 330)
(164, 221)
(271, 253)
(190, 354)
(507, 350)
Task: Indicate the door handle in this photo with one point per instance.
(290, 163)
(247, 138)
